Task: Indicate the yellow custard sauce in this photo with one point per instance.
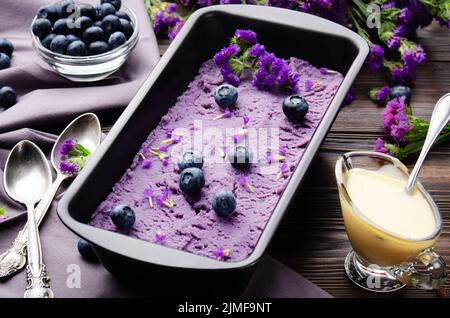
(389, 225)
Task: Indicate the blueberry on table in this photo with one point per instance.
(61, 26)
(81, 24)
(127, 28)
(226, 95)
(6, 47)
(86, 10)
(66, 8)
(240, 157)
(189, 159)
(8, 97)
(295, 107)
(59, 44)
(77, 48)
(116, 39)
(98, 47)
(400, 91)
(123, 216)
(85, 249)
(5, 61)
(93, 34)
(41, 28)
(72, 38)
(116, 3)
(111, 24)
(224, 203)
(105, 10)
(123, 15)
(49, 12)
(192, 181)
(47, 40)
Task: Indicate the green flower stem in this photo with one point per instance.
(2, 211)
(417, 146)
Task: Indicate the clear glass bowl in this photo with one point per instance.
(89, 68)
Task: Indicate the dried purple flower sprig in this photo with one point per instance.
(244, 53)
(166, 21)
(73, 156)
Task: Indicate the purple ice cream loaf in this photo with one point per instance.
(191, 224)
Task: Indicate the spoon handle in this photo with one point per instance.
(439, 118)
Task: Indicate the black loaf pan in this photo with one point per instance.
(166, 270)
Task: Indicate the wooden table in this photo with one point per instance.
(312, 239)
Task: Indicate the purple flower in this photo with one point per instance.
(375, 59)
(235, 139)
(175, 29)
(404, 16)
(284, 168)
(288, 4)
(282, 150)
(380, 96)
(160, 237)
(380, 146)
(245, 183)
(67, 147)
(350, 96)
(222, 253)
(68, 167)
(148, 192)
(309, 85)
(245, 120)
(206, 3)
(230, 1)
(393, 42)
(256, 50)
(146, 164)
(395, 121)
(269, 156)
(165, 162)
(273, 71)
(165, 20)
(245, 36)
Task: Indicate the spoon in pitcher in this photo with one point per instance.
(86, 131)
(439, 118)
(27, 178)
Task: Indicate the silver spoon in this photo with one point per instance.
(27, 177)
(86, 130)
(439, 118)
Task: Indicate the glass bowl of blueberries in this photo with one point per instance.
(82, 42)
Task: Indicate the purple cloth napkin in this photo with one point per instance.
(46, 101)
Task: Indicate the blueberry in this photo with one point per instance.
(240, 157)
(41, 28)
(123, 15)
(82, 23)
(116, 3)
(59, 44)
(8, 97)
(5, 61)
(77, 48)
(93, 34)
(86, 250)
(86, 10)
(98, 47)
(6, 47)
(226, 95)
(105, 10)
(47, 40)
(295, 107)
(192, 181)
(123, 216)
(189, 159)
(49, 12)
(97, 24)
(72, 38)
(61, 26)
(224, 203)
(116, 39)
(400, 91)
(111, 24)
(66, 8)
(127, 28)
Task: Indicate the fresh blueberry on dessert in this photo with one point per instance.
(126, 27)
(47, 40)
(105, 10)
(116, 3)
(123, 216)
(240, 157)
(8, 97)
(224, 203)
(6, 47)
(85, 250)
(192, 181)
(400, 91)
(5, 61)
(111, 24)
(41, 28)
(48, 12)
(77, 48)
(189, 159)
(93, 34)
(123, 15)
(98, 47)
(295, 107)
(59, 44)
(226, 95)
